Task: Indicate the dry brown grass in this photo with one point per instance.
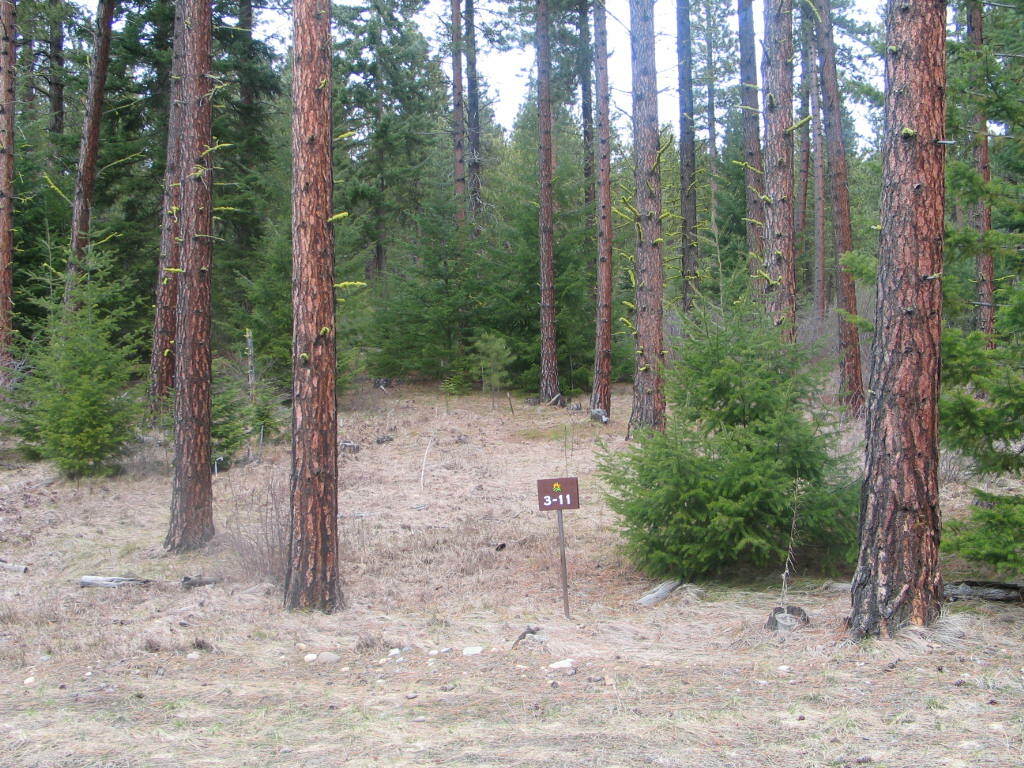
(686, 683)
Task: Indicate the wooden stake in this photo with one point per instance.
(565, 575)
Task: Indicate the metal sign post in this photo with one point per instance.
(560, 493)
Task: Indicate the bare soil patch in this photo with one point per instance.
(217, 676)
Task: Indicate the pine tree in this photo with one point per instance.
(851, 380)
(55, 69)
(898, 579)
(818, 154)
(753, 165)
(779, 247)
(7, 106)
(161, 366)
(312, 579)
(648, 391)
(458, 112)
(601, 395)
(584, 64)
(191, 523)
(85, 180)
(981, 215)
(549, 388)
(473, 108)
(687, 153)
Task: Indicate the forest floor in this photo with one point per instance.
(444, 550)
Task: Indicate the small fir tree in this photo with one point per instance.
(982, 417)
(75, 404)
(745, 449)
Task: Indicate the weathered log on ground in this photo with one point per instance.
(660, 592)
(191, 582)
(998, 591)
(1001, 592)
(12, 567)
(113, 581)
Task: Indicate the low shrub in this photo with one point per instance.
(745, 449)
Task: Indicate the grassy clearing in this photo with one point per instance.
(158, 676)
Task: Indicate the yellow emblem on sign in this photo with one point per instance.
(556, 488)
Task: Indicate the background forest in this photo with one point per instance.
(436, 274)
(322, 292)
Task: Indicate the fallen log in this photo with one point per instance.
(113, 581)
(12, 567)
(660, 592)
(997, 591)
(191, 582)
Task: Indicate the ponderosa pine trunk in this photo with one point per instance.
(779, 250)
(7, 108)
(246, 91)
(897, 581)
(161, 361)
(458, 113)
(710, 24)
(472, 107)
(55, 71)
(850, 378)
(648, 392)
(583, 68)
(601, 394)
(549, 389)
(191, 523)
(751, 117)
(26, 53)
(818, 138)
(88, 151)
(803, 171)
(312, 579)
(981, 215)
(687, 155)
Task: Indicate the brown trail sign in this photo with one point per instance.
(560, 493)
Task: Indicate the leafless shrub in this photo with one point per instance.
(954, 468)
(373, 644)
(150, 455)
(256, 531)
(8, 615)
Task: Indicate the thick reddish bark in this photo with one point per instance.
(192, 493)
(88, 152)
(601, 395)
(803, 171)
(458, 113)
(549, 389)
(7, 108)
(472, 107)
(820, 288)
(751, 113)
(161, 361)
(312, 581)
(850, 378)
(583, 67)
(55, 74)
(648, 392)
(687, 153)
(981, 215)
(779, 248)
(897, 579)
